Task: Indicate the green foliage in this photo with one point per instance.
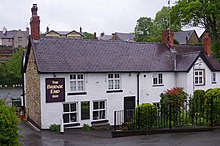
(86, 127)
(148, 116)
(10, 73)
(213, 94)
(9, 121)
(55, 128)
(204, 13)
(149, 30)
(172, 102)
(88, 35)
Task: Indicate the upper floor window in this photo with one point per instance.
(213, 78)
(199, 77)
(158, 79)
(77, 82)
(19, 39)
(114, 81)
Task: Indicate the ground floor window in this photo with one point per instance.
(99, 110)
(85, 110)
(69, 113)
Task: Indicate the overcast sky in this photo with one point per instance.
(92, 15)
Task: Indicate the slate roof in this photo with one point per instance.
(125, 36)
(181, 36)
(10, 34)
(66, 55)
(105, 37)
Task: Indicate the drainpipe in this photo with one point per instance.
(138, 89)
(138, 98)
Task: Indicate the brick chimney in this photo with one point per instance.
(168, 38)
(207, 44)
(35, 23)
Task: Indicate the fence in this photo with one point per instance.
(190, 113)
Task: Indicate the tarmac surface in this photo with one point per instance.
(78, 137)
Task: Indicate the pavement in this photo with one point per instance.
(78, 137)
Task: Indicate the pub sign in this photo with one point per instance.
(55, 89)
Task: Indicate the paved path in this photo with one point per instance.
(76, 137)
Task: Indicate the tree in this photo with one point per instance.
(149, 30)
(9, 135)
(203, 13)
(88, 35)
(12, 69)
(162, 21)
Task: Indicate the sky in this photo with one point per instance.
(98, 16)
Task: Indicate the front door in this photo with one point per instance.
(129, 106)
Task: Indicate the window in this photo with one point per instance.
(213, 78)
(85, 113)
(158, 79)
(113, 81)
(199, 77)
(77, 82)
(19, 39)
(69, 113)
(99, 110)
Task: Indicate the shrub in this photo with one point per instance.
(215, 95)
(8, 126)
(86, 127)
(172, 102)
(55, 128)
(196, 106)
(148, 116)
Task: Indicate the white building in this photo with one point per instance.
(85, 81)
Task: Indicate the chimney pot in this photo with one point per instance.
(94, 36)
(80, 29)
(35, 23)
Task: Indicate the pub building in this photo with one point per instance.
(81, 81)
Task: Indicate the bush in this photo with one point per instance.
(9, 121)
(55, 128)
(215, 95)
(173, 98)
(197, 107)
(86, 127)
(148, 116)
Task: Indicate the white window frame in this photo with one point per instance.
(77, 84)
(99, 110)
(199, 77)
(114, 81)
(158, 79)
(71, 112)
(213, 78)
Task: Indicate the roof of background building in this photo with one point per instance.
(125, 36)
(181, 36)
(60, 55)
(11, 33)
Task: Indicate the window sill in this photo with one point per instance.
(71, 125)
(200, 85)
(77, 93)
(158, 85)
(114, 91)
(99, 121)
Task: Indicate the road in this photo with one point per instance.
(77, 137)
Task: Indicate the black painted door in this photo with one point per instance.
(129, 106)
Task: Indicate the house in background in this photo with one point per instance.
(189, 37)
(85, 81)
(129, 37)
(14, 38)
(64, 34)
